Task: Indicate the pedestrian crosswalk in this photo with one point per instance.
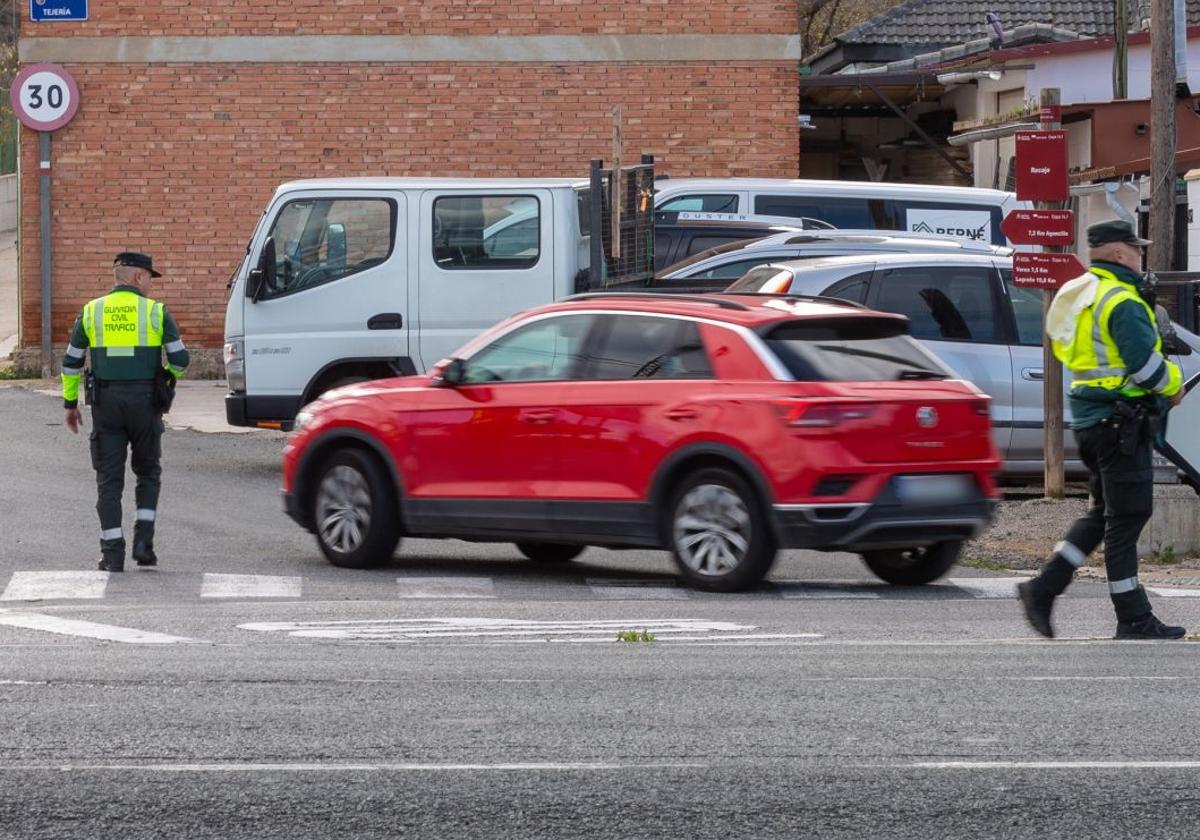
(25, 587)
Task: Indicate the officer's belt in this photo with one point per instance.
(120, 383)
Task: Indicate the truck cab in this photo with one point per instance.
(364, 278)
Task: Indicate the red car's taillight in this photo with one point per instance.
(806, 415)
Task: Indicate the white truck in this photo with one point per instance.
(351, 279)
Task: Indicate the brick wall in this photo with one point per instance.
(178, 160)
(431, 17)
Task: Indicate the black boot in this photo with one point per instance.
(1037, 603)
(1148, 627)
(143, 553)
(112, 562)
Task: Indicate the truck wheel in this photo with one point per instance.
(550, 552)
(913, 566)
(354, 511)
(718, 531)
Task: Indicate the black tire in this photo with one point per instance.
(550, 552)
(913, 566)
(740, 546)
(355, 488)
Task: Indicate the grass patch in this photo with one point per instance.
(1166, 556)
(11, 373)
(986, 565)
(635, 636)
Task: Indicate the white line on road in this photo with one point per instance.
(499, 629)
(250, 586)
(1052, 765)
(628, 590)
(87, 629)
(989, 587)
(1173, 593)
(334, 767)
(842, 591)
(48, 586)
(446, 587)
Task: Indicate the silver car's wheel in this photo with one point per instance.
(712, 530)
(343, 509)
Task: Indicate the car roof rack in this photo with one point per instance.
(714, 301)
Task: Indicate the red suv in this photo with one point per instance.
(720, 427)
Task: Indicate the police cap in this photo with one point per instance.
(1115, 230)
(136, 260)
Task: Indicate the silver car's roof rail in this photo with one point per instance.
(714, 301)
(797, 296)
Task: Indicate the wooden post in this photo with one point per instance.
(1052, 376)
(1162, 135)
(1120, 49)
(616, 191)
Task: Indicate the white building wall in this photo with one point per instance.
(1087, 76)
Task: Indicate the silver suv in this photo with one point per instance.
(965, 309)
(719, 266)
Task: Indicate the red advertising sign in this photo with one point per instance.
(1044, 271)
(1042, 166)
(1039, 227)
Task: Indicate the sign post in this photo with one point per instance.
(44, 98)
(1042, 164)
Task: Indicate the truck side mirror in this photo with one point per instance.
(262, 277)
(335, 245)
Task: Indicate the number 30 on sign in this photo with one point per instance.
(44, 97)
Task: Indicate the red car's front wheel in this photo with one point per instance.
(354, 511)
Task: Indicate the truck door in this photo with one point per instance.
(339, 291)
(483, 256)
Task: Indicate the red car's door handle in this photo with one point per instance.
(682, 414)
(539, 417)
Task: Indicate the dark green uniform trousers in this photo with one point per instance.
(124, 417)
(1122, 490)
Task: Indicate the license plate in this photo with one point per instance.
(934, 489)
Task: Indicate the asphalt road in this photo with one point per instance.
(248, 689)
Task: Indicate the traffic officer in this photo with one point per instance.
(1103, 328)
(126, 332)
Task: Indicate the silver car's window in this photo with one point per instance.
(942, 304)
(1027, 312)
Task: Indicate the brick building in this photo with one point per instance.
(192, 113)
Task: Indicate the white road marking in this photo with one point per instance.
(847, 590)
(632, 590)
(87, 629)
(1163, 592)
(250, 586)
(989, 587)
(1052, 765)
(497, 629)
(334, 767)
(49, 586)
(446, 587)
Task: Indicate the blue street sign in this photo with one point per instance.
(42, 10)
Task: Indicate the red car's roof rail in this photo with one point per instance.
(794, 296)
(714, 301)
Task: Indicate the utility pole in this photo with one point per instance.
(1121, 49)
(1162, 135)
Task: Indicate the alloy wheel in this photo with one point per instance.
(343, 509)
(712, 529)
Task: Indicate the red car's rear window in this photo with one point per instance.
(853, 350)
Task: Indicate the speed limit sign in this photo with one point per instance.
(44, 97)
